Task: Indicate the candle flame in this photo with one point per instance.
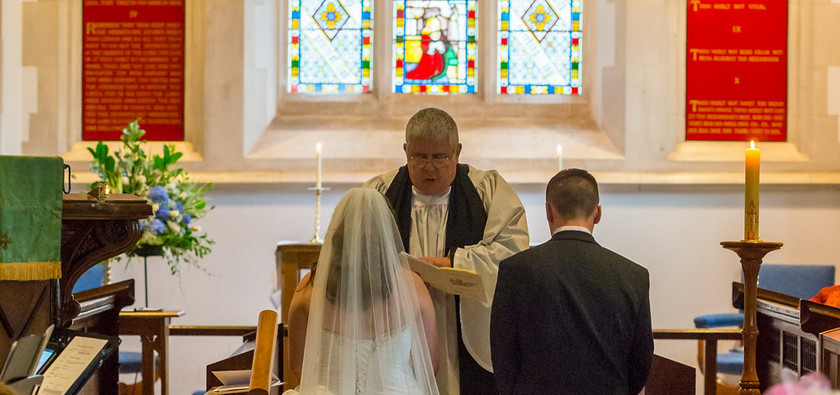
(559, 149)
(752, 144)
(318, 148)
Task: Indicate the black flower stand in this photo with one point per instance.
(146, 251)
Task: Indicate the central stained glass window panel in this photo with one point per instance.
(539, 47)
(330, 45)
(434, 46)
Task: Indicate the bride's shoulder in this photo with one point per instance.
(302, 297)
(304, 283)
(416, 278)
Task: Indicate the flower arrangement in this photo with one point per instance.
(176, 201)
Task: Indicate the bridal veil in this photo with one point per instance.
(365, 333)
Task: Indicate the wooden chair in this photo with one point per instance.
(262, 363)
(264, 350)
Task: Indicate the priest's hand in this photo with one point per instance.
(437, 261)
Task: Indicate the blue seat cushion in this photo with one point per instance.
(801, 281)
(132, 361)
(199, 392)
(730, 363)
(718, 320)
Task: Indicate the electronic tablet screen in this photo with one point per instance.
(46, 356)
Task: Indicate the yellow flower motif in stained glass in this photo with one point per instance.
(330, 16)
(540, 17)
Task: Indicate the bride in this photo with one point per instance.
(367, 319)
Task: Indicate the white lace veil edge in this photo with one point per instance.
(365, 332)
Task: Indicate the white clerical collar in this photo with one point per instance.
(577, 228)
(429, 200)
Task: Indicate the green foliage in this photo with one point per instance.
(176, 201)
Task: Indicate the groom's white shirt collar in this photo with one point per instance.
(577, 228)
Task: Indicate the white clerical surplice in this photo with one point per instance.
(428, 238)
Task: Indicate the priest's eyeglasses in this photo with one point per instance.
(437, 161)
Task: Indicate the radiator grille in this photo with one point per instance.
(808, 356)
(790, 351)
(776, 342)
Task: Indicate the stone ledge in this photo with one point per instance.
(79, 152)
(625, 179)
(733, 151)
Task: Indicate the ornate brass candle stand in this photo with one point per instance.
(317, 237)
(751, 253)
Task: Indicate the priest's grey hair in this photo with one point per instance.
(432, 124)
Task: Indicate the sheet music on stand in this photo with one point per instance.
(64, 364)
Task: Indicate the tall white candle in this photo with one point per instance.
(318, 160)
(559, 157)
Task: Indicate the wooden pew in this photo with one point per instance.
(243, 357)
(668, 377)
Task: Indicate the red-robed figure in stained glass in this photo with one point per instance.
(436, 52)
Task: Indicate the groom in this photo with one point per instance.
(454, 215)
(570, 316)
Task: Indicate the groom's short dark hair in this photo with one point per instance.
(573, 193)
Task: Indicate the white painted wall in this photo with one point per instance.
(11, 78)
(675, 234)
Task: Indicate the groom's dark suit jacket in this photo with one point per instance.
(571, 317)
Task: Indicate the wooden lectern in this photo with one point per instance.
(91, 232)
(291, 258)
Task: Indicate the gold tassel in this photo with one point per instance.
(30, 271)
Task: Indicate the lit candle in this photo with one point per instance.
(559, 157)
(753, 160)
(318, 160)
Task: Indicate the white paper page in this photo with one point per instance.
(450, 280)
(234, 381)
(70, 364)
(232, 377)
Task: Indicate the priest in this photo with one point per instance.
(454, 215)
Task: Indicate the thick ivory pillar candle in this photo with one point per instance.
(318, 160)
(751, 188)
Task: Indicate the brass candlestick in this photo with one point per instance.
(317, 237)
(751, 253)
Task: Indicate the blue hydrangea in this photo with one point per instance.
(179, 206)
(158, 195)
(157, 226)
(162, 213)
(186, 218)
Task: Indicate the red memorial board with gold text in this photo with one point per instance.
(736, 70)
(133, 66)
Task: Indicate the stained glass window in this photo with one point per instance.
(330, 45)
(434, 46)
(539, 46)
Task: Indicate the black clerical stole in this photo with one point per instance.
(466, 220)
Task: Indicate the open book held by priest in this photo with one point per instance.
(448, 279)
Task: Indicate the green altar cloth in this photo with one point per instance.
(30, 217)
